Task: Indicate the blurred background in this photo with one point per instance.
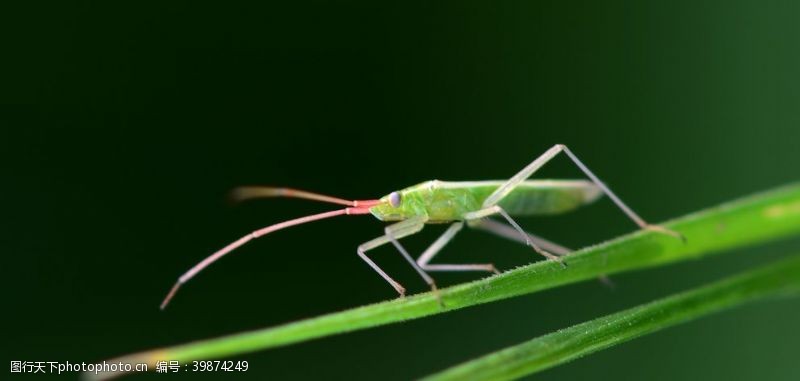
(123, 126)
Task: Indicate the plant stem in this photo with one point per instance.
(779, 279)
(748, 221)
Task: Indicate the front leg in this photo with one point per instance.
(392, 232)
(406, 230)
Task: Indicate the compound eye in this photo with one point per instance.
(394, 199)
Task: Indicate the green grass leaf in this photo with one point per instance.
(779, 279)
(748, 221)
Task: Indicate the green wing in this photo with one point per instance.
(549, 196)
(535, 197)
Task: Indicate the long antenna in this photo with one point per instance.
(250, 192)
(363, 208)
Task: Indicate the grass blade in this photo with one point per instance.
(748, 221)
(779, 279)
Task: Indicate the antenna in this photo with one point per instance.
(246, 193)
(356, 207)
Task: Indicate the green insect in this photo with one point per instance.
(439, 202)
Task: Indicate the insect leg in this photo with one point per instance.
(505, 231)
(486, 212)
(503, 190)
(382, 240)
(531, 168)
(391, 233)
(437, 246)
(509, 232)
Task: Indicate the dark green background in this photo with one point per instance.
(123, 126)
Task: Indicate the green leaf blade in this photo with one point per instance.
(777, 280)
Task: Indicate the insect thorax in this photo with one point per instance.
(435, 199)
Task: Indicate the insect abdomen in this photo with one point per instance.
(531, 197)
(549, 197)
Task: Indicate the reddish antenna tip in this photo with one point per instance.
(170, 295)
